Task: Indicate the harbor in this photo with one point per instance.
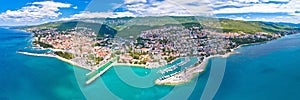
(182, 74)
(91, 76)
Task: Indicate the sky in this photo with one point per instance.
(32, 12)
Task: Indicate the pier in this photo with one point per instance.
(186, 60)
(183, 75)
(54, 56)
(93, 75)
(169, 69)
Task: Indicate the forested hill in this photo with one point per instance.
(134, 25)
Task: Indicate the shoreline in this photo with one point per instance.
(174, 80)
(54, 56)
(178, 78)
(174, 60)
(190, 73)
(203, 65)
(130, 65)
(193, 71)
(98, 75)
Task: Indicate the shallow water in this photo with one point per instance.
(265, 71)
(33, 78)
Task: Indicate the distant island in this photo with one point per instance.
(149, 42)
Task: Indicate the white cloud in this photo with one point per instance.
(286, 10)
(153, 8)
(92, 15)
(285, 19)
(50, 10)
(280, 0)
(36, 12)
(257, 8)
(134, 1)
(52, 4)
(247, 1)
(86, 15)
(75, 7)
(289, 7)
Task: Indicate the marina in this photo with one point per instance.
(168, 69)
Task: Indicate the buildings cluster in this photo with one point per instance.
(153, 47)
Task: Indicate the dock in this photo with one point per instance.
(186, 60)
(169, 69)
(93, 75)
(99, 72)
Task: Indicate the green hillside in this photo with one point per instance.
(129, 26)
(251, 27)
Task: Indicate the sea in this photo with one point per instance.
(261, 71)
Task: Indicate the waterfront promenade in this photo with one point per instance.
(55, 56)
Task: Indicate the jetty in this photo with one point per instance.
(93, 75)
(132, 65)
(169, 69)
(54, 56)
(36, 54)
(186, 60)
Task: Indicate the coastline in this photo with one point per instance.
(174, 60)
(130, 65)
(190, 73)
(54, 56)
(198, 69)
(178, 78)
(98, 75)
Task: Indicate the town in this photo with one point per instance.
(152, 48)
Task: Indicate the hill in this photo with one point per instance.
(130, 26)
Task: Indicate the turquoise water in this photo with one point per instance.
(32, 78)
(265, 71)
(269, 71)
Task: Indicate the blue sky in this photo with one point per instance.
(30, 12)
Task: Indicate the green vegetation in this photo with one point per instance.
(97, 44)
(136, 55)
(129, 26)
(44, 45)
(101, 29)
(229, 25)
(64, 54)
(142, 62)
(104, 66)
(99, 70)
(98, 59)
(240, 41)
(134, 30)
(191, 25)
(169, 59)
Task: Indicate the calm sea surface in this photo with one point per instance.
(265, 71)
